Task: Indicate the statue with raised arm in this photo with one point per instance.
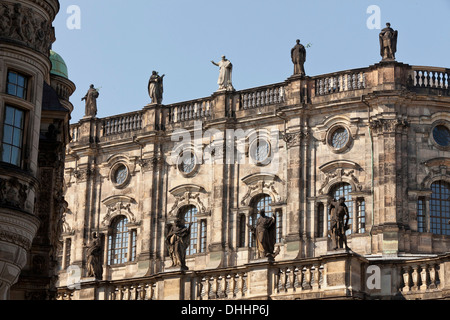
(156, 87)
(225, 74)
(178, 240)
(298, 55)
(388, 42)
(265, 236)
(339, 218)
(91, 101)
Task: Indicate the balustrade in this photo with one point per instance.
(190, 111)
(419, 277)
(340, 83)
(121, 124)
(137, 291)
(228, 285)
(75, 133)
(431, 77)
(296, 278)
(263, 97)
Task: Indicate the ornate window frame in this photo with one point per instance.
(436, 124)
(325, 131)
(113, 172)
(117, 206)
(253, 143)
(180, 152)
(330, 136)
(114, 163)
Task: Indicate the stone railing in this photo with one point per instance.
(429, 77)
(134, 291)
(263, 96)
(221, 285)
(122, 123)
(340, 82)
(420, 277)
(191, 110)
(298, 277)
(75, 132)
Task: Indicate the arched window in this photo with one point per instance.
(343, 190)
(118, 241)
(189, 214)
(440, 208)
(261, 202)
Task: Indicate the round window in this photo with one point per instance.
(441, 135)
(121, 174)
(187, 163)
(260, 151)
(339, 138)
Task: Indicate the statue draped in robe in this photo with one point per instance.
(91, 101)
(298, 55)
(178, 240)
(388, 42)
(94, 258)
(225, 74)
(265, 235)
(156, 87)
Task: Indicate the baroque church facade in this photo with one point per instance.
(377, 137)
(87, 211)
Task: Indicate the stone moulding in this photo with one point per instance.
(188, 194)
(119, 205)
(340, 171)
(23, 25)
(259, 183)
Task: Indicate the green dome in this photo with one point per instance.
(59, 67)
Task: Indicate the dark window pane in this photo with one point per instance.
(8, 134)
(21, 81)
(15, 156)
(9, 116)
(441, 207)
(6, 154)
(20, 92)
(11, 89)
(17, 138)
(12, 77)
(18, 118)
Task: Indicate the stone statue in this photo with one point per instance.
(298, 55)
(156, 87)
(91, 101)
(225, 75)
(178, 240)
(94, 258)
(265, 236)
(339, 223)
(388, 42)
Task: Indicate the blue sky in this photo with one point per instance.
(121, 42)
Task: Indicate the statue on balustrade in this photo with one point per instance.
(94, 258)
(265, 236)
(91, 101)
(298, 55)
(388, 42)
(225, 74)
(339, 218)
(178, 240)
(156, 87)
